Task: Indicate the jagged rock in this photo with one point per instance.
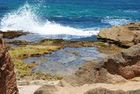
(7, 75)
(125, 36)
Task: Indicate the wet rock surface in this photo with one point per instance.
(7, 74)
(124, 36)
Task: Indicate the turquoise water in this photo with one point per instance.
(67, 17)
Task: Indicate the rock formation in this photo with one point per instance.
(102, 77)
(7, 75)
(115, 67)
(125, 36)
(106, 76)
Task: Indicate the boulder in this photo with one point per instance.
(7, 75)
(124, 36)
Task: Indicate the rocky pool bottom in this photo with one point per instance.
(65, 61)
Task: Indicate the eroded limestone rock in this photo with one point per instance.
(125, 36)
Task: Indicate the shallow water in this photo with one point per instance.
(65, 61)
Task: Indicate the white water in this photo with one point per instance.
(26, 19)
(115, 21)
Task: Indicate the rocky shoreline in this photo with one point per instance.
(124, 36)
(120, 68)
(116, 70)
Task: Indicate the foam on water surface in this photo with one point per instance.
(26, 19)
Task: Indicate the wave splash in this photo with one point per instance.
(26, 19)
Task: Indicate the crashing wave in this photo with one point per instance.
(26, 19)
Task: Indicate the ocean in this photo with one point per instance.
(72, 18)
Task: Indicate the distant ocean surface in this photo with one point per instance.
(76, 18)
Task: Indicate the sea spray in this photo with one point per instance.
(27, 19)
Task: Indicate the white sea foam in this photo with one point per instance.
(115, 21)
(25, 18)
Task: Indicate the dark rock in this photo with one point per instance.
(124, 36)
(7, 75)
(12, 34)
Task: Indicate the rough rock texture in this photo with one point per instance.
(105, 77)
(125, 36)
(91, 73)
(113, 68)
(126, 63)
(7, 74)
(129, 87)
(107, 91)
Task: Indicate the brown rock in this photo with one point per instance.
(7, 74)
(125, 64)
(12, 34)
(125, 36)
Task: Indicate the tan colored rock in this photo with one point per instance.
(126, 36)
(7, 75)
(46, 89)
(125, 64)
(108, 91)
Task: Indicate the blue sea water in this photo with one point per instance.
(67, 17)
